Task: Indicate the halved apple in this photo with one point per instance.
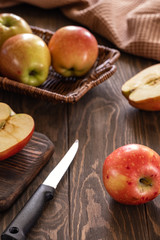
(143, 90)
(15, 131)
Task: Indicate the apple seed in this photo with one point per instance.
(153, 81)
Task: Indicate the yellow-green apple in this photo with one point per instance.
(131, 174)
(10, 25)
(74, 51)
(143, 90)
(26, 58)
(15, 132)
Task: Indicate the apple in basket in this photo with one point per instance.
(131, 174)
(26, 58)
(10, 25)
(15, 131)
(143, 90)
(74, 51)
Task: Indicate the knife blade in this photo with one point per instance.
(29, 214)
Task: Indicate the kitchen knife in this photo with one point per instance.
(26, 218)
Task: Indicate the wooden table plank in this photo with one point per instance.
(99, 124)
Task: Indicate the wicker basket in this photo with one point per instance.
(61, 89)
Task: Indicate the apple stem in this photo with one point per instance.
(145, 181)
(33, 73)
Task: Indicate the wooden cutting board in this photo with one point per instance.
(19, 170)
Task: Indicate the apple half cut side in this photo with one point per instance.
(15, 134)
(143, 90)
(5, 112)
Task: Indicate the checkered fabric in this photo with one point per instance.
(132, 25)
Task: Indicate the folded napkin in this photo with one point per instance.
(132, 25)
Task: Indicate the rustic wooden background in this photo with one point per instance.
(102, 121)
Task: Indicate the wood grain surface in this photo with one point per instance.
(102, 120)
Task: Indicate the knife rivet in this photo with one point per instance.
(49, 196)
(13, 230)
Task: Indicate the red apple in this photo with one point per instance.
(74, 51)
(143, 90)
(15, 131)
(10, 25)
(131, 174)
(26, 58)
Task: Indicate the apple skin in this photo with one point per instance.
(25, 58)
(131, 174)
(15, 133)
(10, 25)
(143, 90)
(74, 51)
(151, 104)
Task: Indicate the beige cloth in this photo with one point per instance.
(132, 25)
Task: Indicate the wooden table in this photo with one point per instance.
(102, 120)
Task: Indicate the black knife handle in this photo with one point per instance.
(29, 214)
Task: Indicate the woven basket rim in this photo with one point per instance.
(57, 88)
